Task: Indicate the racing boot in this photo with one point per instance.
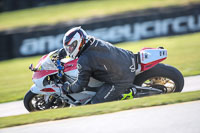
(129, 94)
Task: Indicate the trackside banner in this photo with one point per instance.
(129, 26)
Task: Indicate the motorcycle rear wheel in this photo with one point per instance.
(162, 76)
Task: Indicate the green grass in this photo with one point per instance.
(183, 53)
(76, 10)
(15, 78)
(57, 114)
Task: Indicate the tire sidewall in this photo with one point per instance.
(27, 101)
(162, 70)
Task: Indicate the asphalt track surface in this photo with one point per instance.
(176, 118)
(16, 108)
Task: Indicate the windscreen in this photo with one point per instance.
(46, 62)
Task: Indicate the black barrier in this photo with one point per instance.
(10, 5)
(130, 26)
(5, 47)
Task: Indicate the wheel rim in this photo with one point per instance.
(38, 103)
(163, 83)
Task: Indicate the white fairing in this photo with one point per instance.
(39, 82)
(37, 90)
(151, 55)
(73, 73)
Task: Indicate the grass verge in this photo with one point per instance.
(88, 110)
(183, 53)
(84, 9)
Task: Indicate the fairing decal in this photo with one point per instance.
(41, 73)
(69, 66)
(147, 66)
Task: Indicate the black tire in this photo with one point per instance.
(27, 101)
(39, 102)
(162, 70)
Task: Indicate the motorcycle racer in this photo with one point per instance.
(100, 60)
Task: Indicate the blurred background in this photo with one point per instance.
(31, 28)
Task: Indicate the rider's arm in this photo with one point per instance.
(84, 74)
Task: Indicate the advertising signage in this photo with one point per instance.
(131, 26)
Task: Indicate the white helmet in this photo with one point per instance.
(74, 40)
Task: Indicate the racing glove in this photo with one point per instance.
(61, 53)
(66, 88)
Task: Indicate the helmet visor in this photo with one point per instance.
(70, 48)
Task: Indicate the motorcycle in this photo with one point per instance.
(152, 77)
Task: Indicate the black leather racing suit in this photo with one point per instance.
(107, 63)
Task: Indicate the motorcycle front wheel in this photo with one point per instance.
(163, 77)
(36, 102)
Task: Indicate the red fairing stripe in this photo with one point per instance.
(145, 48)
(69, 66)
(147, 66)
(41, 73)
(48, 90)
(72, 65)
